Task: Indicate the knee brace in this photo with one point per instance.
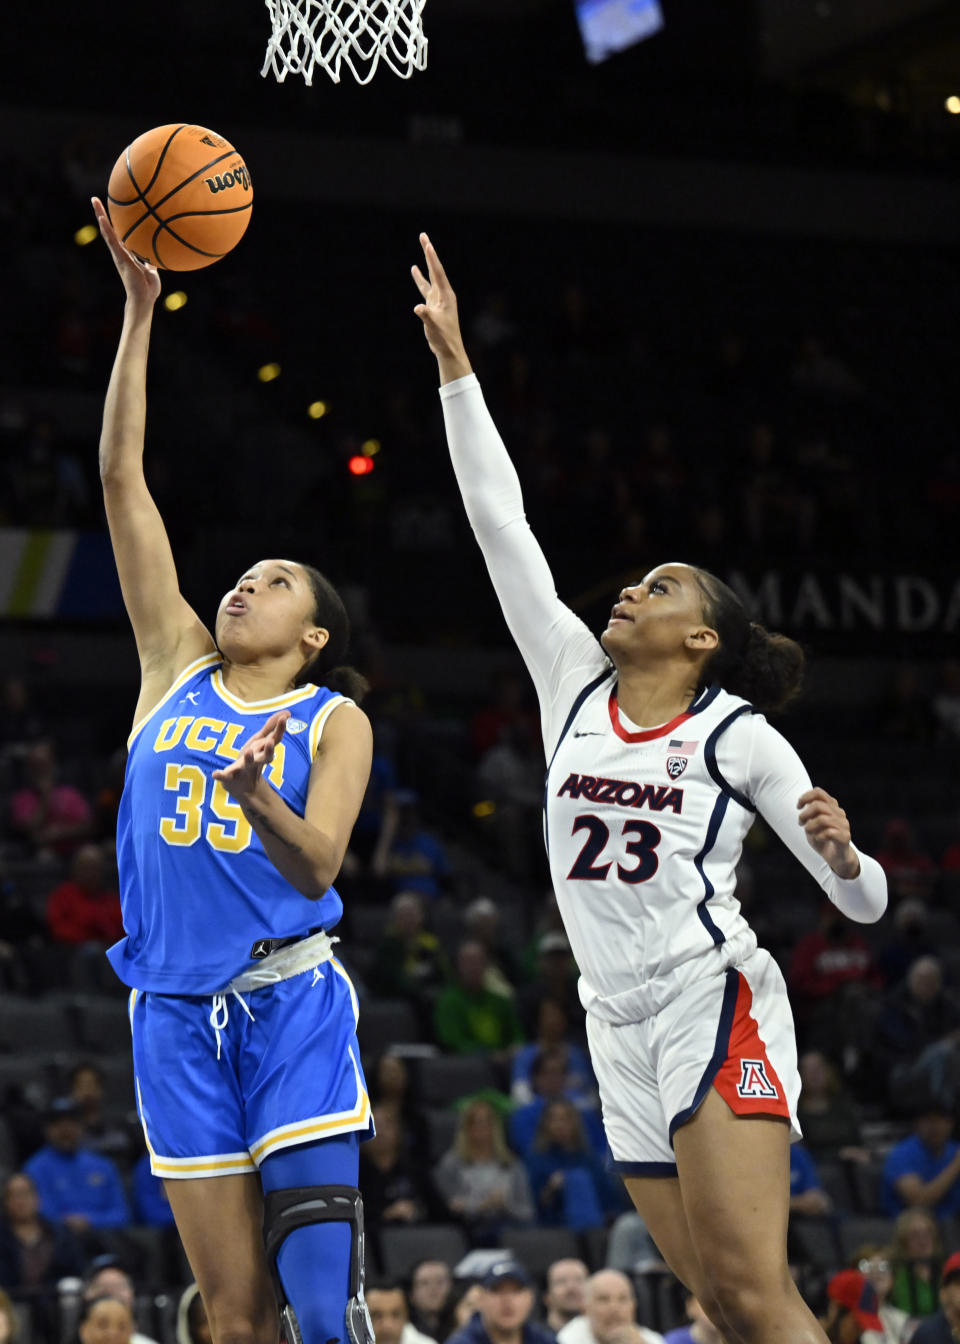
(286, 1211)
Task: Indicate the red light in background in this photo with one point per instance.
(360, 466)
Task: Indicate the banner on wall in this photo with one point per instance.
(61, 575)
(848, 611)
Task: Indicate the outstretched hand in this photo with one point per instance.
(242, 776)
(140, 279)
(438, 313)
(828, 831)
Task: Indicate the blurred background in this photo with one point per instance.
(709, 285)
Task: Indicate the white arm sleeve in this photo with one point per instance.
(760, 763)
(560, 652)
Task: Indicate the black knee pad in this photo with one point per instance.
(284, 1212)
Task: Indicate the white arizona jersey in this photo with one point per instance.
(644, 825)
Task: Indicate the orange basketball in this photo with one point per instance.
(180, 197)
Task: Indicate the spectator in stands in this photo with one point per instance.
(391, 1184)
(106, 1277)
(83, 909)
(76, 1187)
(569, 1185)
(922, 1170)
(852, 1308)
(610, 1314)
(555, 978)
(827, 966)
(807, 1196)
(548, 1078)
(100, 1133)
(468, 1017)
(389, 1086)
(701, 1329)
(467, 1304)
(431, 1290)
(908, 942)
(151, 1208)
(410, 857)
(508, 706)
(480, 1181)
(905, 713)
(552, 1035)
(829, 1117)
(51, 819)
(944, 1327)
(34, 1252)
(510, 775)
(946, 700)
(390, 1314)
(911, 871)
(504, 1316)
(193, 1325)
(876, 1263)
(915, 1034)
(9, 1325)
(565, 1293)
(20, 723)
(410, 962)
(630, 1247)
(482, 924)
(24, 946)
(105, 1320)
(917, 1260)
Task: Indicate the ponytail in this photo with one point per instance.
(750, 661)
(325, 666)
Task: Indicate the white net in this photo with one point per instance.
(356, 33)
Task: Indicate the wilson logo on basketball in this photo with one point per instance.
(236, 177)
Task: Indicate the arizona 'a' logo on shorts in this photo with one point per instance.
(754, 1081)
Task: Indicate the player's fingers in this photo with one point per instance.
(814, 794)
(434, 266)
(420, 280)
(815, 810)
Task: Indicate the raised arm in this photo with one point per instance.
(561, 654)
(168, 633)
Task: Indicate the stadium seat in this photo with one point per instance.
(441, 1128)
(35, 1024)
(867, 1178)
(863, 1231)
(103, 1024)
(594, 1243)
(386, 1022)
(835, 1180)
(444, 1079)
(814, 1241)
(402, 1247)
(538, 1247)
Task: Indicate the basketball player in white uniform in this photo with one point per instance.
(658, 760)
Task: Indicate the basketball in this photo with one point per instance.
(180, 197)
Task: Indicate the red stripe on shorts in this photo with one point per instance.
(747, 1080)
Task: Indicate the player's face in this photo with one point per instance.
(267, 613)
(659, 615)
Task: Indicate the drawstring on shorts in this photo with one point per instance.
(281, 965)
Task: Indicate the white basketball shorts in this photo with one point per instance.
(732, 1031)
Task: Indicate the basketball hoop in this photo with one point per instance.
(355, 33)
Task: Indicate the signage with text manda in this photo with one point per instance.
(843, 610)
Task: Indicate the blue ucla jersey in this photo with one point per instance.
(196, 885)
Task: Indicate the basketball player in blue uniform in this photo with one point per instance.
(659, 757)
(248, 760)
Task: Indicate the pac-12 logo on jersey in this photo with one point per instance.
(754, 1081)
(676, 765)
(295, 725)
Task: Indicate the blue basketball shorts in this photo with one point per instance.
(221, 1086)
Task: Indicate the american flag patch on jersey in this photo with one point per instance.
(677, 745)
